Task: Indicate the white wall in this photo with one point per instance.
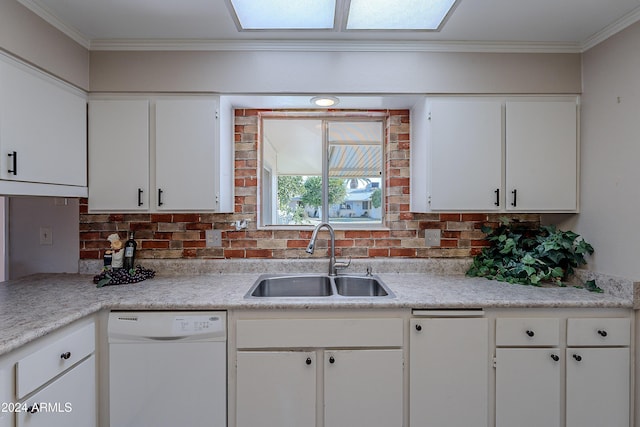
(27, 255)
(610, 155)
(29, 37)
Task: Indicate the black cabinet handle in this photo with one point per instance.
(515, 198)
(160, 197)
(418, 328)
(332, 359)
(577, 357)
(140, 196)
(308, 361)
(602, 333)
(66, 355)
(555, 357)
(14, 171)
(497, 203)
(531, 333)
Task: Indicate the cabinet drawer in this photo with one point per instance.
(298, 333)
(599, 332)
(527, 332)
(68, 401)
(39, 367)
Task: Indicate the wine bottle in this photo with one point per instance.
(129, 252)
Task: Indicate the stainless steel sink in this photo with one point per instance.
(292, 286)
(356, 286)
(317, 286)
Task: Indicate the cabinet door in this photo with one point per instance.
(466, 155)
(68, 401)
(528, 384)
(275, 388)
(43, 133)
(119, 155)
(541, 155)
(449, 370)
(363, 388)
(598, 387)
(186, 172)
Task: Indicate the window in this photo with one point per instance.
(322, 169)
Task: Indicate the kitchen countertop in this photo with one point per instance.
(36, 305)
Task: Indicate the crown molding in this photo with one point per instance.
(612, 29)
(53, 20)
(333, 46)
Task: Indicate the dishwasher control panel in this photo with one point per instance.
(167, 325)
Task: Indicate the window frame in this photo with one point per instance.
(325, 117)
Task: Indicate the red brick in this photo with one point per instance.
(186, 217)
(378, 252)
(399, 182)
(474, 217)
(155, 244)
(194, 244)
(161, 217)
(448, 243)
(402, 252)
(259, 253)
(357, 234)
(450, 217)
(297, 243)
(234, 253)
(89, 254)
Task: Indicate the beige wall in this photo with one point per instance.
(610, 154)
(27, 36)
(335, 72)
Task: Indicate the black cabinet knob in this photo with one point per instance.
(530, 333)
(602, 333)
(577, 357)
(555, 357)
(332, 359)
(65, 355)
(308, 361)
(418, 328)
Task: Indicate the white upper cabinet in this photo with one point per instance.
(186, 134)
(466, 163)
(495, 154)
(541, 155)
(119, 154)
(157, 154)
(43, 128)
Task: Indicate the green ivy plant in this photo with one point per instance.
(518, 254)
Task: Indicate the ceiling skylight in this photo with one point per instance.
(285, 14)
(340, 15)
(397, 15)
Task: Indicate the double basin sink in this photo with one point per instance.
(318, 285)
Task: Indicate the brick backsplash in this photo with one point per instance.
(182, 235)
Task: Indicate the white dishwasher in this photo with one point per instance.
(167, 369)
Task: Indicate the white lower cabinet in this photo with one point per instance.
(543, 379)
(51, 381)
(598, 376)
(68, 401)
(528, 385)
(276, 388)
(449, 370)
(363, 388)
(319, 372)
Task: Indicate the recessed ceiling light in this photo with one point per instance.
(325, 101)
(397, 15)
(284, 14)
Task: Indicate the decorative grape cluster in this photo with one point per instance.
(122, 276)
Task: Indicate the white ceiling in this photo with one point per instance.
(499, 25)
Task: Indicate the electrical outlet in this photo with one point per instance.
(431, 238)
(213, 238)
(46, 236)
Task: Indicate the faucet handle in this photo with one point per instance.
(342, 264)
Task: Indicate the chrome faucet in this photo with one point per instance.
(333, 264)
